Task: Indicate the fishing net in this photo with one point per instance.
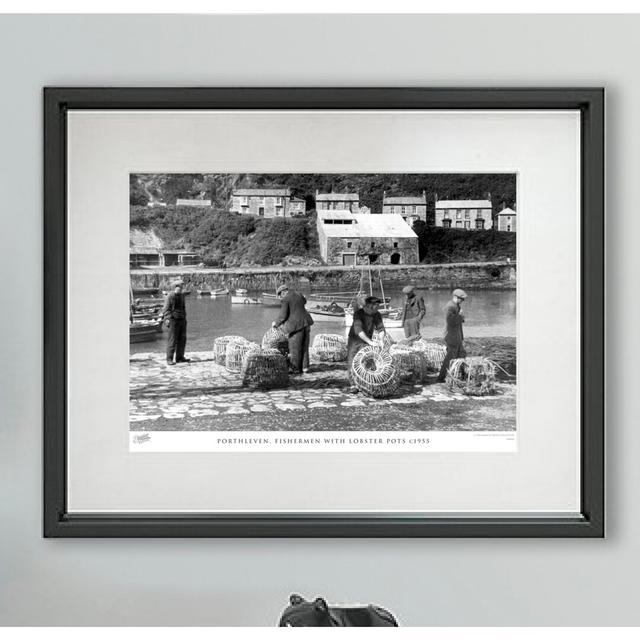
(432, 353)
(373, 372)
(410, 365)
(329, 347)
(474, 376)
(220, 347)
(265, 369)
(276, 339)
(236, 352)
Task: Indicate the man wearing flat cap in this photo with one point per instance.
(413, 312)
(296, 322)
(366, 320)
(174, 315)
(453, 336)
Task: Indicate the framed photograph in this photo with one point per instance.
(323, 312)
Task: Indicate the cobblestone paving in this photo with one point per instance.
(202, 395)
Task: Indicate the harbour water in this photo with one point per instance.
(488, 313)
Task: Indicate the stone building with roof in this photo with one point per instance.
(337, 202)
(265, 203)
(507, 220)
(146, 249)
(464, 214)
(350, 239)
(411, 208)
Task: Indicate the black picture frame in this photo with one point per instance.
(56, 519)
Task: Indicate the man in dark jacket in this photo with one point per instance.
(453, 336)
(295, 321)
(174, 315)
(413, 312)
(366, 320)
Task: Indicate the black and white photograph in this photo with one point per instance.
(303, 305)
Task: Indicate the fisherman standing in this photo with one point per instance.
(453, 336)
(174, 315)
(413, 312)
(296, 323)
(366, 320)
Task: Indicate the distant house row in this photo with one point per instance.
(452, 214)
(449, 214)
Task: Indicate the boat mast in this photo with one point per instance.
(131, 303)
(384, 300)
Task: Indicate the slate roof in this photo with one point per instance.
(365, 225)
(404, 200)
(340, 197)
(463, 204)
(284, 192)
(507, 211)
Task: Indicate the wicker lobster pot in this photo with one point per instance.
(329, 347)
(410, 365)
(220, 347)
(276, 339)
(236, 351)
(474, 376)
(432, 353)
(373, 372)
(265, 369)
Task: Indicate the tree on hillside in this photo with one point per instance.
(138, 195)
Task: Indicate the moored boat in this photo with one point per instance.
(270, 299)
(327, 313)
(390, 317)
(240, 296)
(223, 291)
(146, 291)
(144, 330)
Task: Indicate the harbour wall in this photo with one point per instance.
(479, 275)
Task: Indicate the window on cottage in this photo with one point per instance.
(373, 244)
(395, 245)
(467, 224)
(459, 223)
(467, 213)
(459, 214)
(446, 223)
(403, 209)
(278, 202)
(479, 223)
(349, 245)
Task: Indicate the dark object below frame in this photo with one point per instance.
(588, 523)
(302, 613)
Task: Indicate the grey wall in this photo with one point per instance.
(208, 582)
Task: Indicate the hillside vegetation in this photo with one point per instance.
(438, 245)
(230, 239)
